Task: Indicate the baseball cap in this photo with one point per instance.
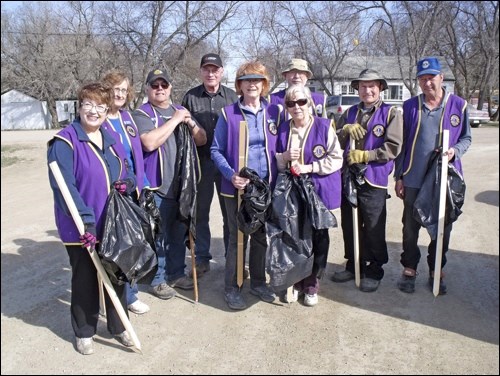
(428, 65)
(211, 59)
(155, 74)
(252, 76)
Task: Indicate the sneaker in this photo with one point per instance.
(201, 269)
(293, 298)
(264, 293)
(125, 339)
(343, 276)
(407, 281)
(162, 291)
(234, 300)
(442, 285)
(310, 300)
(138, 307)
(85, 346)
(369, 284)
(184, 283)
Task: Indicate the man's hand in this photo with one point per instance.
(355, 131)
(400, 189)
(357, 156)
(88, 239)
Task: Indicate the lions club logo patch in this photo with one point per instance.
(378, 130)
(273, 129)
(131, 131)
(319, 151)
(454, 120)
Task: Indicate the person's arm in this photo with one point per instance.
(464, 140)
(156, 137)
(218, 149)
(62, 153)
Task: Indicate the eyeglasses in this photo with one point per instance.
(120, 91)
(156, 86)
(300, 102)
(100, 108)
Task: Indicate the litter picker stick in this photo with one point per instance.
(294, 143)
(355, 232)
(442, 209)
(102, 304)
(193, 266)
(240, 262)
(54, 167)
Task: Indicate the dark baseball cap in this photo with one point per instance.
(211, 59)
(155, 74)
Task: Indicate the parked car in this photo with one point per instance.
(337, 104)
(477, 117)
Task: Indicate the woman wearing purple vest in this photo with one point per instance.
(377, 129)
(425, 117)
(318, 153)
(252, 83)
(90, 161)
(123, 126)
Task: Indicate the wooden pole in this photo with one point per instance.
(93, 255)
(240, 259)
(193, 266)
(442, 210)
(355, 232)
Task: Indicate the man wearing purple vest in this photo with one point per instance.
(297, 72)
(425, 117)
(377, 129)
(157, 121)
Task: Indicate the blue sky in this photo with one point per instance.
(11, 5)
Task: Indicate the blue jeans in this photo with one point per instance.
(131, 293)
(209, 175)
(170, 242)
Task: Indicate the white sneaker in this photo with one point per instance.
(310, 300)
(138, 307)
(294, 296)
(85, 346)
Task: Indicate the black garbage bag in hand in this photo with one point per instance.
(296, 210)
(126, 254)
(426, 205)
(255, 202)
(352, 177)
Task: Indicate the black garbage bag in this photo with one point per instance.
(295, 210)
(255, 202)
(125, 252)
(352, 177)
(426, 205)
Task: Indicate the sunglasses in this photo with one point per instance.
(300, 102)
(157, 86)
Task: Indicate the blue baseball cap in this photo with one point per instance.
(428, 65)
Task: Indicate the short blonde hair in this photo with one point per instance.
(252, 67)
(116, 77)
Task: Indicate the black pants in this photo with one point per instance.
(372, 215)
(411, 252)
(85, 296)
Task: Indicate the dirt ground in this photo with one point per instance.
(348, 332)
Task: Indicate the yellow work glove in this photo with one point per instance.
(355, 131)
(357, 156)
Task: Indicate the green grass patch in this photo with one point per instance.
(8, 157)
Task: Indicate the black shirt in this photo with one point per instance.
(205, 109)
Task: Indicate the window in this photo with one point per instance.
(346, 89)
(394, 92)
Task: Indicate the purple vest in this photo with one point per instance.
(132, 134)
(92, 180)
(328, 187)
(377, 174)
(319, 109)
(153, 160)
(233, 116)
(452, 120)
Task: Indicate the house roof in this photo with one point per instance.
(386, 65)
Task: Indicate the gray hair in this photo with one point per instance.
(294, 89)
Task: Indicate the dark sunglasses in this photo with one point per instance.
(300, 102)
(157, 86)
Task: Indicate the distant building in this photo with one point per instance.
(21, 111)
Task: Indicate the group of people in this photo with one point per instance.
(137, 153)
